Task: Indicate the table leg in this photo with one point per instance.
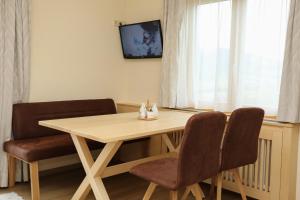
(93, 169)
(83, 190)
(168, 142)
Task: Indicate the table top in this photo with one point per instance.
(119, 127)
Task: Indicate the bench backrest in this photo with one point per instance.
(27, 115)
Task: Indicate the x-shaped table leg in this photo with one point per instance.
(169, 143)
(93, 169)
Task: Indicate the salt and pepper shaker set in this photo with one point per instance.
(148, 112)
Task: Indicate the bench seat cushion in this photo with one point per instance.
(40, 148)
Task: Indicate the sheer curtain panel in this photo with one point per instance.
(289, 106)
(261, 34)
(228, 54)
(14, 72)
(174, 14)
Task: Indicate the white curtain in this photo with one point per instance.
(289, 106)
(211, 77)
(174, 12)
(14, 71)
(260, 53)
(229, 54)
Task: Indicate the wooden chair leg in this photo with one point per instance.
(238, 181)
(173, 195)
(219, 186)
(186, 193)
(11, 170)
(34, 179)
(150, 191)
(197, 192)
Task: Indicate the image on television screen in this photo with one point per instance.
(142, 40)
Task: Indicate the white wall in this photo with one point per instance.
(142, 77)
(76, 52)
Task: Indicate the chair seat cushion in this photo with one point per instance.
(162, 172)
(41, 148)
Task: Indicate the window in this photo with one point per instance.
(240, 48)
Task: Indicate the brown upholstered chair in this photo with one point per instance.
(198, 158)
(240, 144)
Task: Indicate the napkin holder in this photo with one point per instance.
(148, 112)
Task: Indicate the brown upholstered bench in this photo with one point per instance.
(32, 143)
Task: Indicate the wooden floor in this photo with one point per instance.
(122, 187)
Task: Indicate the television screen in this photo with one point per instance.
(142, 40)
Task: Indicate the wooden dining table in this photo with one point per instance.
(113, 130)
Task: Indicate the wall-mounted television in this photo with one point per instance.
(142, 40)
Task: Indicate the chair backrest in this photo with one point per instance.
(241, 138)
(27, 115)
(199, 155)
